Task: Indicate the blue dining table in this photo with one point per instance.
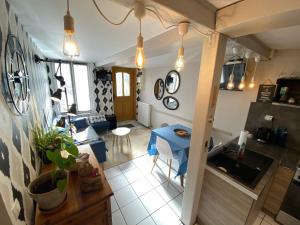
(179, 145)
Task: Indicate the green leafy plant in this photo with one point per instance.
(59, 148)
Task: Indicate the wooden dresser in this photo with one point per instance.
(81, 208)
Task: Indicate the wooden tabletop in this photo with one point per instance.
(76, 200)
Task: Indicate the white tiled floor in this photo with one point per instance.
(144, 198)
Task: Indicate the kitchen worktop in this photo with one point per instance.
(286, 157)
(282, 156)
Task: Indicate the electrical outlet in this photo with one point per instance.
(269, 118)
(16, 208)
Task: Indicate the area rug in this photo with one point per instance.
(129, 125)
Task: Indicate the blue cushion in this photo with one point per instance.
(101, 126)
(81, 123)
(99, 150)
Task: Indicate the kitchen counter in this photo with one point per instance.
(253, 193)
(286, 157)
(281, 156)
(224, 200)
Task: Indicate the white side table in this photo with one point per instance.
(119, 133)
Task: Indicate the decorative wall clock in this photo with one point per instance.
(17, 78)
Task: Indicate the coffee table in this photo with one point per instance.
(119, 134)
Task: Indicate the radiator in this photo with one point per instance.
(144, 114)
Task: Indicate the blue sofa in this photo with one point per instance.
(88, 134)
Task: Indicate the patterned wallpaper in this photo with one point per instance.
(18, 162)
(103, 96)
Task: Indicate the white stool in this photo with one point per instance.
(121, 132)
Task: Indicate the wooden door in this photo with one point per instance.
(124, 92)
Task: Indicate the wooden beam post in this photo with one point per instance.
(212, 60)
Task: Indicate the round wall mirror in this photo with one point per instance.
(172, 82)
(159, 89)
(171, 103)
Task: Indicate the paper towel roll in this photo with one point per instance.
(243, 137)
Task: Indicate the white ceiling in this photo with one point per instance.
(222, 3)
(43, 19)
(160, 51)
(285, 38)
(106, 44)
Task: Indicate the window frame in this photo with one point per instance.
(72, 73)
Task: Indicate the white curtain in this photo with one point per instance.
(91, 78)
(53, 86)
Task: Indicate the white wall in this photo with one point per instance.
(185, 95)
(232, 107)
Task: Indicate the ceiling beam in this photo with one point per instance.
(255, 16)
(253, 44)
(196, 10)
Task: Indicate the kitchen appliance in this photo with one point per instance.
(263, 134)
(289, 213)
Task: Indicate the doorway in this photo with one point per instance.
(124, 93)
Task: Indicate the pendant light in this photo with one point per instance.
(242, 83)
(139, 12)
(70, 47)
(140, 55)
(236, 52)
(183, 28)
(230, 84)
(252, 82)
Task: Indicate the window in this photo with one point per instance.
(123, 84)
(77, 86)
(82, 87)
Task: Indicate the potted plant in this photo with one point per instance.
(49, 189)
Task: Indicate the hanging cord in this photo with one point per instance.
(68, 6)
(140, 27)
(254, 70)
(182, 41)
(201, 32)
(244, 75)
(108, 20)
(233, 69)
(161, 20)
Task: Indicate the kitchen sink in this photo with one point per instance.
(248, 170)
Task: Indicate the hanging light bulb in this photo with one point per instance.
(183, 28)
(230, 84)
(252, 82)
(70, 47)
(140, 12)
(140, 56)
(179, 64)
(242, 83)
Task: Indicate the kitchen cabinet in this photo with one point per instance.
(279, 186)
(225, 201)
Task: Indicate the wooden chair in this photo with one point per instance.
(164, 150)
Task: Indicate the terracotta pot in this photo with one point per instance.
(46, 200)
